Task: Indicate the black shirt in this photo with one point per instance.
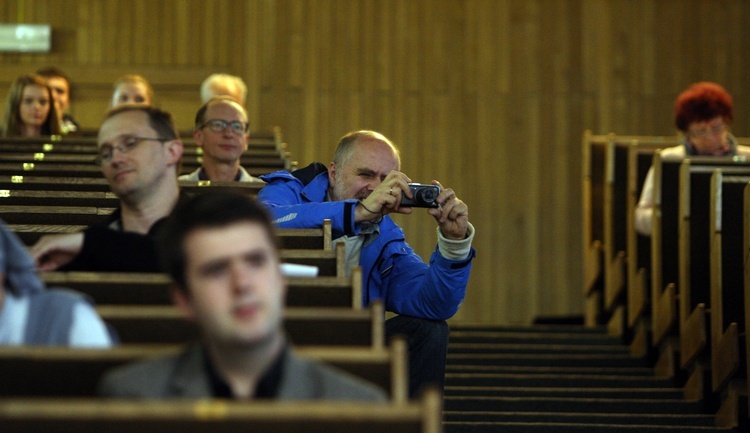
(107, 248)
(268, 385)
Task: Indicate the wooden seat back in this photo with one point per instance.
(210, 416)
(73, 372)
(305, 326)
(107, 288)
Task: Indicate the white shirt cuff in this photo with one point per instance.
(455, 249)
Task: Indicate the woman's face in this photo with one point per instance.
(130, 93)
(710, 137)
(35, 104)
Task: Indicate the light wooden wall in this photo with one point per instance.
(488, 96)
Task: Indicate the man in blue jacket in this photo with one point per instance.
(356, 192)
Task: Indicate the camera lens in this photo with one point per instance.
(428, 195)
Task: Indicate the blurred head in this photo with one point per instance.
(132, 89)
(224, 84)
(221, 251)
(138, 150)
(30, 108)
(704, 112)
(221, 129)
(362, 161)
(60, 85)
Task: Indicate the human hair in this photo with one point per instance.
(209, 210)
(346, 145)
(135, 79)
(54, 72)
(12, 122)
(701, 102)
(159, 120)
(200, 116)
(209, 85)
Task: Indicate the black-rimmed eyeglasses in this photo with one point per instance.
(218, 125)
(128, 143)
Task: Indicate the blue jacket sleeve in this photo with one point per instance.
(413, 288)
(437, 295)
(291, 207)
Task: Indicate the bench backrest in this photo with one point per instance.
(210, 416)
(305, 326)
(108, 288)
(65, 372)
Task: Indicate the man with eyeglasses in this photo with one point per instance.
(221, 130)
(703, 113)
(139, 155)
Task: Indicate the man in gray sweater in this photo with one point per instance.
(221, 252)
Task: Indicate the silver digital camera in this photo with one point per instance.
(422, 195)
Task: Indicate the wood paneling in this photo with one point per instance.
(488, 96)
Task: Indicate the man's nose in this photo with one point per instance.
(117, 156)
(241, 277)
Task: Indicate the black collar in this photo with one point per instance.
(268, 386)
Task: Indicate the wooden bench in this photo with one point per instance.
(679, 237)
(728, 315)
(306, 326)
(271, 144)
(640, 159)
(605, 222)
(694, 254)
(106, 288)
(54, 215)
(619, 226)
(49, 186)
(211, 416)
(680, 291)
(61, 169)
(64, 372)
(289, 238)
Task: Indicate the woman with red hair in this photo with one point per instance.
(703, 114)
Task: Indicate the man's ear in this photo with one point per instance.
(180, 299)
(332, 173)
(174, 148)
(198, 137)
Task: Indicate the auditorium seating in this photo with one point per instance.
(609, 376)
(694, 342)
(72, 156)
(608, 185)
(299, 239)
(728, 297)
(107, 288)
(66, 372)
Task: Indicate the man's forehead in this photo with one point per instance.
(367, 150)
(255, 238)
(132, 122)
(235, 107)
(57, 82)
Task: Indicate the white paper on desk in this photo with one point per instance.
(295, 270)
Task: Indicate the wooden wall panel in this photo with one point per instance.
(488, 96)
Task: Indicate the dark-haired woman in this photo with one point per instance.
(30, 110)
